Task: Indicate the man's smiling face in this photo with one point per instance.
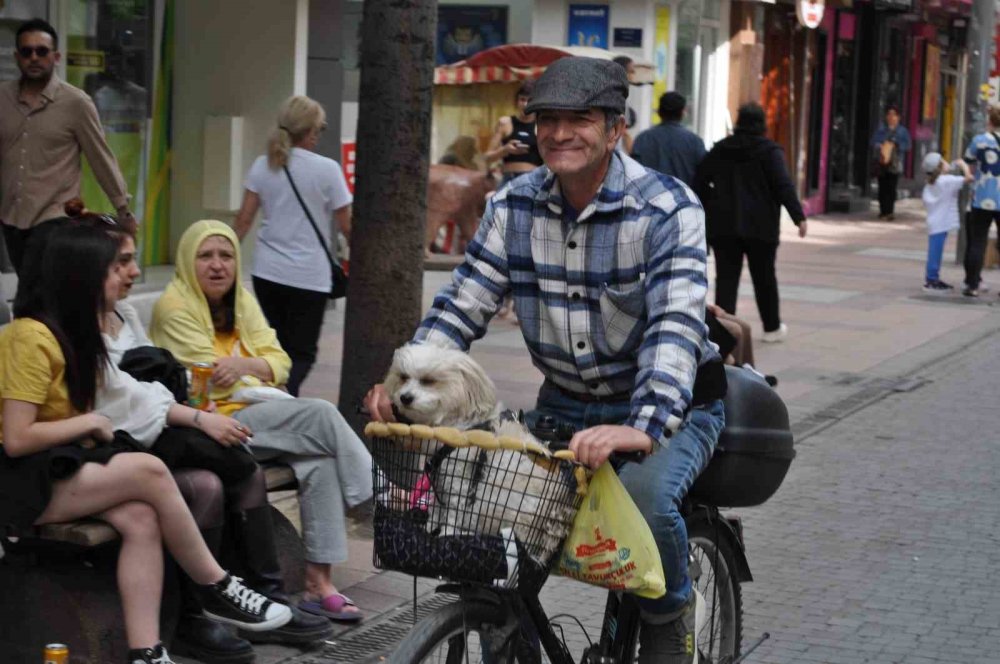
(574, 142)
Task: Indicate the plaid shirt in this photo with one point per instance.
(610, 304)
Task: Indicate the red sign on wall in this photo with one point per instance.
(347, 161)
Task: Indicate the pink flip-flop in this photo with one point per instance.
(332, 607)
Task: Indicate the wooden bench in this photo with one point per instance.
(59, 585)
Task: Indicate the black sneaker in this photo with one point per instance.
(230, 601)
(304, 629)
(937, 287)
(155, 655)
(672, 642)
(208, 641)
(970, 292)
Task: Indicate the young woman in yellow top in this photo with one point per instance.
(60, 460)
(207, 315)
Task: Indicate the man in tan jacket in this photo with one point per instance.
(45, 123)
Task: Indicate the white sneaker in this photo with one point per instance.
(775, 336)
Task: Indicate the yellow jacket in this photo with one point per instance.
(182, 322)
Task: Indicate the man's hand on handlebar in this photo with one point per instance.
(379, 405)
(593, 446)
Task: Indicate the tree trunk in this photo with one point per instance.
(390, 205)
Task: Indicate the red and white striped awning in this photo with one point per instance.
(465, 75)
(521, 62)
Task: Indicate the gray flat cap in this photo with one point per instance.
(579, 84)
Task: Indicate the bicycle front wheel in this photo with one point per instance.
(466, 632)
(712, 568)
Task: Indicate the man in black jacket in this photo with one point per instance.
(742, 184)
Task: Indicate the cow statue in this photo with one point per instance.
(457, 194)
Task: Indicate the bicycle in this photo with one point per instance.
(498, 617)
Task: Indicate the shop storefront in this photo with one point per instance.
(108, 50)
(894, 52)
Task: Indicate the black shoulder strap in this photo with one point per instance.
(322, 242)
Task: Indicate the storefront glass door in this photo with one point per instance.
(109, 55)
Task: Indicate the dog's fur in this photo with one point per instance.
(443, 387)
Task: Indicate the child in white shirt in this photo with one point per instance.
(941, 200)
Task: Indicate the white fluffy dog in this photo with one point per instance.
(477, 490)
(440, 387)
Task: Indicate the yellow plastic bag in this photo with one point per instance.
(611, 545)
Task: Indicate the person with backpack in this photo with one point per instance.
(743, 183)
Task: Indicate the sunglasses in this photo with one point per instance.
(40, 51)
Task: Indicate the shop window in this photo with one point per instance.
(108, 52)
(12, 14)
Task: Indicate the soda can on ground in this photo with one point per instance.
(201, 378)
(56, 653)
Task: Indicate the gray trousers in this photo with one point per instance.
(332, 465)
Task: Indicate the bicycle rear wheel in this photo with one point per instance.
(712, 568)
(466, 632)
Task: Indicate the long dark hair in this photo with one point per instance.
(74, 269)
(28, 299)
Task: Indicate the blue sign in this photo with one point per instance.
(628, 37)
(588, 26)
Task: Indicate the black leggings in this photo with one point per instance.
(202, 491)
(887, 192)
(729, 266)
(209, 501)
(296, 314)
(977, 233)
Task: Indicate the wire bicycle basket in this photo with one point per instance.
(468, 506)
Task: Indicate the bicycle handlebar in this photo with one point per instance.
(554, 433)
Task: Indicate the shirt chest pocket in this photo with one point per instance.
(623, 312)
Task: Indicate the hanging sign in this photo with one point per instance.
(809, 13)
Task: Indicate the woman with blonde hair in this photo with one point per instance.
(301, 194)
(206, 315)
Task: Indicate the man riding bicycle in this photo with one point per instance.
(606, 263)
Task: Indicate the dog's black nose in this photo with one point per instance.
(406, 398)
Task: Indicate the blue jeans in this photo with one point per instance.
(657, 485)
(935, 249)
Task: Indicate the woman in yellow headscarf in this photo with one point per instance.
(207, 315)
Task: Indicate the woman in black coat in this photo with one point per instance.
(743, 183)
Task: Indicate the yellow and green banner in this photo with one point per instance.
(155, 229)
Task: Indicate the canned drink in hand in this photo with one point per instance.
(56, 653)
(201, 378)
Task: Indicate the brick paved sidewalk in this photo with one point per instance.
(858, 322)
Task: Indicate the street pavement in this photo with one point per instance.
(881, 543)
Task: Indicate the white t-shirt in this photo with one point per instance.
(288, 251)
(941, 201)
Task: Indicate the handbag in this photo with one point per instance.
(338, 278)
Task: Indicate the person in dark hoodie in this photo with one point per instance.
(743, 183)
